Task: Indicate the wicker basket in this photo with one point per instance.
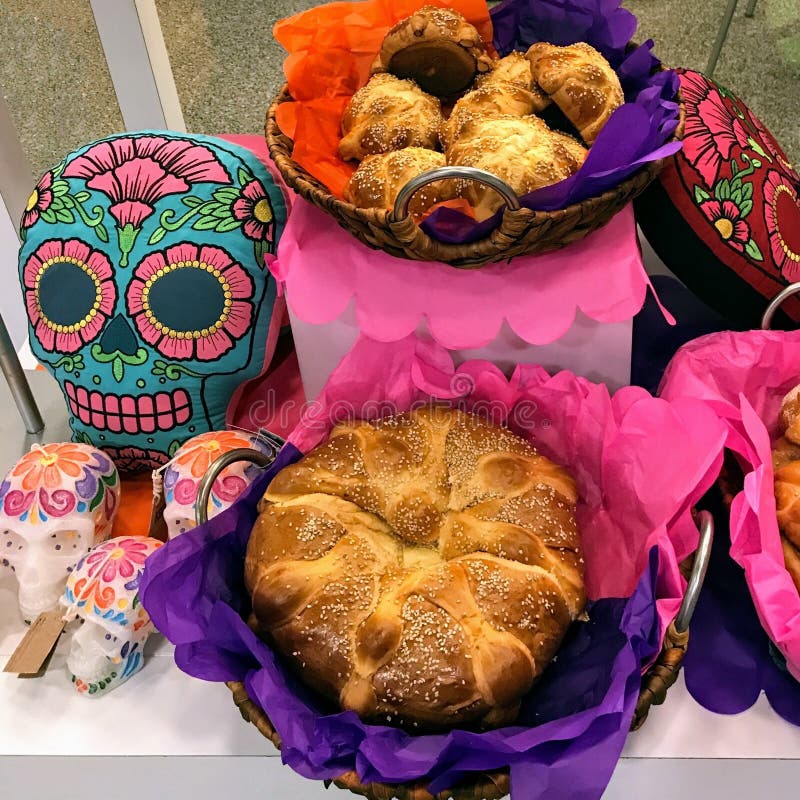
(484, 785)
(521, 231)
(656, 682)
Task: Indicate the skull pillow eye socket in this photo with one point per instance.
(221, 307)
(143, 264)
(68, 293)
(207, 292)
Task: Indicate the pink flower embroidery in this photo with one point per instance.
(712, 130)
(122, 557)
(226, 311)
(137, 171)
(771, 145)
(726, 217)
(255, 210)
(55, 264)
(40, 200)
(782, 215)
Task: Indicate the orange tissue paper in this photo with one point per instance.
(330, 51)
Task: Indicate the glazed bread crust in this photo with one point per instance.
(389, 114)
(580, 82)
(423, 568)
(379, 179)
(437, 48)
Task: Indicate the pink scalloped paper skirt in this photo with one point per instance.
(569, 309)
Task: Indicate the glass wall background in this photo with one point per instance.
(227, 66)
(54, 78)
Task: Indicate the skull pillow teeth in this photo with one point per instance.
(57, 502)
(186, 469)
(143, 268)
(103, 591)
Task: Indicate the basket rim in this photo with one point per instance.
(494, 784)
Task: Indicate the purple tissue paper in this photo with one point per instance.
(731, 660)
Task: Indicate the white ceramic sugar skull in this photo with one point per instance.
(103, 591)
(185, 471)
(56, 503)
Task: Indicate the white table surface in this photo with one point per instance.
(166, 735)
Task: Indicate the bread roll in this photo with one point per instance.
(580, 82)
(515, 68)
(791, 558)
(786, 464)
(789, 420)
(420, 569)
(389, 114)
(437, 48)
(574, 150)
(379, 179)
(490, 100)
(520, 150)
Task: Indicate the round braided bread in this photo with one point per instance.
(420, 569)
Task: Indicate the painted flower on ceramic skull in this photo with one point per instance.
(712, 130)
(782, 215)
(254, 209)
(51, 466)
(197, 455)
(124, 557)
(192, 461)
(135, 172)
(40, 199)
(726, 218)
(69, 293)
(206, 328)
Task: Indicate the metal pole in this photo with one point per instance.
(751, 9)
(18, 383)
(721, 36)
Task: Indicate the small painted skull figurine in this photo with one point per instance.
(103, 591)
(191, 461)
(57, 502)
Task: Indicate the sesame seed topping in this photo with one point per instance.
(410, 555)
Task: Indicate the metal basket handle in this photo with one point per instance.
(777, 302)
(245, 454)
(663, 672)
(400, 210)
(698, 573)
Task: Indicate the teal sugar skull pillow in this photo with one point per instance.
(144, 276)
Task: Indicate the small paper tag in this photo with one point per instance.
(37, 644)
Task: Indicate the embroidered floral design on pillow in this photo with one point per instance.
(782, 214)
(246, 205)
(739, 165)
(136, 172)
(711, 130)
